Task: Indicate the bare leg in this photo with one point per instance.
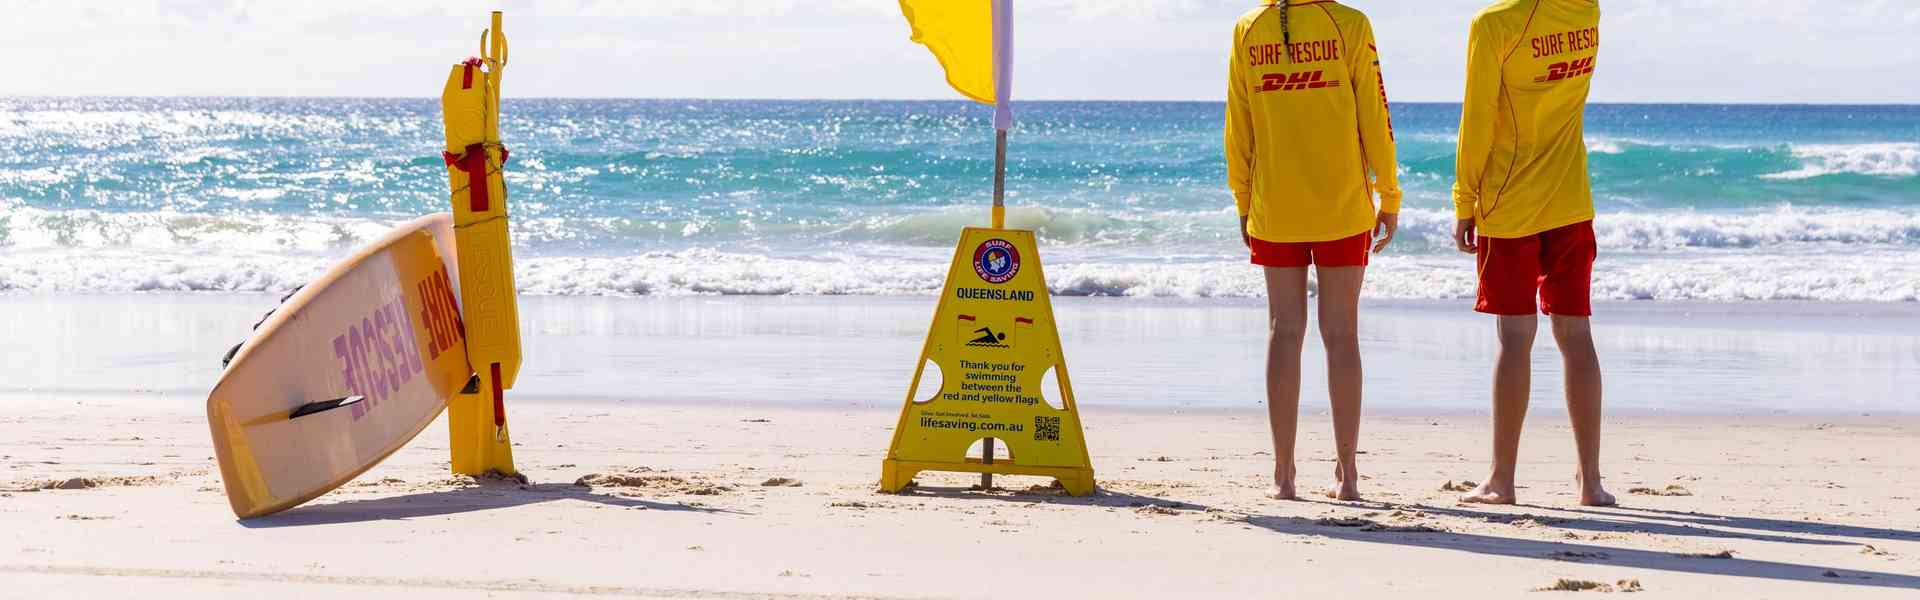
(1287, 327)
(1575, 337)
(1512, 381)
(1340, 332)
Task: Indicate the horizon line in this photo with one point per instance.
(926, 100)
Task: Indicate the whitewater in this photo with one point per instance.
(671, 197)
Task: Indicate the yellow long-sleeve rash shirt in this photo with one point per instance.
(1306, 122)
(1522, 162)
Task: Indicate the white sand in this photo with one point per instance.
(1181, 516)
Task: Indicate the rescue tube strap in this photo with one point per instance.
(466, 78)
(474, 162)
(482, 222)
(499, 401)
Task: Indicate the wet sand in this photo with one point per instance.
(1422, 358)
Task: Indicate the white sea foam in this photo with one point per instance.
(1780, 227)
(1878, 160)
(24, 229)
(1099, 235)
(1861, 277)
(113, 271)
(1678, 231)
(1784, 253)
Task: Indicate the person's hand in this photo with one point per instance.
(1244, 238)
(1465, 236)
(1384, 226)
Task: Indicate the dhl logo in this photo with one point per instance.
(1567, 70)
(1304, 80)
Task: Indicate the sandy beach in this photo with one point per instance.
(730, 234)
(1771, 444)
(749, 501)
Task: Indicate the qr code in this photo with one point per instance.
(1046, 429)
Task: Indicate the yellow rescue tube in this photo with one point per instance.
(475, 159)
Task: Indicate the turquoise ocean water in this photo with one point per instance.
(673, 197)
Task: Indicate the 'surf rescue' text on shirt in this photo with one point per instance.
(1569, 41)
(1298, 52)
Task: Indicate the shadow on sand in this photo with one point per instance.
(1695, 519)
(486, 496)
(1101, 497)
(1362, 530)
(1608, 521)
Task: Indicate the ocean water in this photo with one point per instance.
(684, 197)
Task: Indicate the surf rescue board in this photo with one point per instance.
(344, 372)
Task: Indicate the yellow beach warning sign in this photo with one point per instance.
(994, 342)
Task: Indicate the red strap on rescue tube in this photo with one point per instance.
(499, 399)
(474, 163)
(466, 78)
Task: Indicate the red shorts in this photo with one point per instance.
(1556, 265)
(1348, 252)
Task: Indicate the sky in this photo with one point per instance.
(1787, 51)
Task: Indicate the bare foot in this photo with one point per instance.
(1282, 487)
(1489, 493)
(1592, 494)
(1343, 490)
(1346, 484)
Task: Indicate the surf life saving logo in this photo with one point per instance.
(996, 261)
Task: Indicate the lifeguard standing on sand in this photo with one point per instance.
(1306, 123)
(1525, 209)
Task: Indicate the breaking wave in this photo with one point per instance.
(1859, 277)
(1131, 234)
(1875, 160)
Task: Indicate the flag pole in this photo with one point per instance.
(1000, 179)
(1002, 99)
(1002, 121)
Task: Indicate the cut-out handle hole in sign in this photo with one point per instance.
(1000, 450)
(931, 382)
(1050, 389)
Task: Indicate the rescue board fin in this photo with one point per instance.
(323, 406)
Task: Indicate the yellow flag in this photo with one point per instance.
(960, 35)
